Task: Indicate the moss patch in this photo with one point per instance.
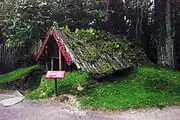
(16, 74)
(90, 54)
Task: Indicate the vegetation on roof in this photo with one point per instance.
(16, 74)
(101, 52)
(104, 41)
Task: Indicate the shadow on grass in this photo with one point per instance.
(34, 79)
(118, 75)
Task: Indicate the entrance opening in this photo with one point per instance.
(51, 57)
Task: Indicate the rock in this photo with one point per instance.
(11, 101)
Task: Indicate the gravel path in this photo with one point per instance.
(36, 110)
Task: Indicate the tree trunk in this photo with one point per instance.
(165, 43)
(169, 32)
(161, 54)
(138, 16)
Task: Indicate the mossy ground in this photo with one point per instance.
(148, 87)
(16, 74)
(68, 85)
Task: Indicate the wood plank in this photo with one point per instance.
(52, 64)
(60, 60)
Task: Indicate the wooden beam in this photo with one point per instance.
(55, 80)
(60, 60)
(52, 64)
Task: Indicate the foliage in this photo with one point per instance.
(106, 68)
(90, 54)
(69, 85)
(14, 75)
(80, 13)
(106, 42)
(25, 21)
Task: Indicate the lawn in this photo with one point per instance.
(16, 74)
(67, 85)
(148, 87)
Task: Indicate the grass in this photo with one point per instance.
(149, 87)
(67, 85)
(16, 74)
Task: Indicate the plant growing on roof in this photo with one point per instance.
(110, 46)
(105, 68)
(87, 35)
(89, 54)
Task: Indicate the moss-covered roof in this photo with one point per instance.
(100, 52)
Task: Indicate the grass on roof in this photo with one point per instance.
(16, 74)
(149, 87)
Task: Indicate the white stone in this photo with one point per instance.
(11, 101)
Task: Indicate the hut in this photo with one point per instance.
(58, 53)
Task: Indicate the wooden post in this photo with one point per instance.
(52, 64)
(55, 87)
(55, 80)
(60, 58)
(60, 67)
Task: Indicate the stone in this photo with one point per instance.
(11, 101)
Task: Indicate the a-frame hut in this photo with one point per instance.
(61, 55)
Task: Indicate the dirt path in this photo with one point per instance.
(36, 110)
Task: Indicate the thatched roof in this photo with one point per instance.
(89, 57)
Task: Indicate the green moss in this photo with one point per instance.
(88, 41)
(105, 68)
(16, 74)
(90, 54)
(110, 46)
(73, 45)
(105, 42)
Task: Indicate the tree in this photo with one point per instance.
(115, 21)
(24, 21)
(165, 43)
